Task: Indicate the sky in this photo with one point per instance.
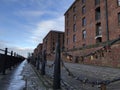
(24, 23)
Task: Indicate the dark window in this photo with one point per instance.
(98, 29)
(84, 45)
(53, 43)
(97, 14)
(67, 22)
(74, 27)
(97, 2)
(74, 18)
(67, 41)
(73, 46)
(83, 10)
(74, 38)
(67, 15)
(118, 18)
(53, 48)
(98, 40)
(118, 2)
(83, 1)
(67, 32)
(84, 21)
(84, 34)
(74, 9)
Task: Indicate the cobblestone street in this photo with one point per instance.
(87, 72)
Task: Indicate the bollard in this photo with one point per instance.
(11, 53)
(103, 87)
(57, 73)
(43, 63)
(6, 49)
(38, 63)
(11, 60)
(4, 65)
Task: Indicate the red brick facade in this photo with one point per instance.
(39, 47)
(93, 16)
(49, 42)
(90, 24)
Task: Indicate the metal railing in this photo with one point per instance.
(9, 61)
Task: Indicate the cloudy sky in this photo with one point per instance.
(24, 23)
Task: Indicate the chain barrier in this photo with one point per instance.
(87, 81)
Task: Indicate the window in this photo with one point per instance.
(83, 1)
(67, 15)
(98, 29)
(84, 45)
(74, 38)
(74, 27)
(99, 39)
(97, 14)
(118, 2)
(67, 41)
(97, 2)
(73, 46)
(74, 18)
(84, 21)
(53, 48)
(84, 34)
(118, 18)
(74, 9)
(67, 31)
(83, 10)
(67, 23)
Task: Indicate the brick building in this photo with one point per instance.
(49, 42)
(35, 54)
(39, 47)
(89, 24)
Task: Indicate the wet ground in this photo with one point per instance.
(21, 77)
(13, 80)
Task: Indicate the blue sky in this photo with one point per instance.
(24, 23)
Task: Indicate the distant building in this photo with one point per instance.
(35, 54)
(50, 40)
(39, 47)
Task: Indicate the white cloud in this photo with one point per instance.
(29, 13)
(44, 27)
(19, 50)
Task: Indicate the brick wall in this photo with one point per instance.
(90, 27)
(49, 43)
(109, 58)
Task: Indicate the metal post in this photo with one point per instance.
(14, 54)
(38, 59)
(103, 87)
(11, 60)
(6, 49)
(11, 53)
(57, 71)
(43, 63)
(4, 66)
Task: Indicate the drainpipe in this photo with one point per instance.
(107, 28)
